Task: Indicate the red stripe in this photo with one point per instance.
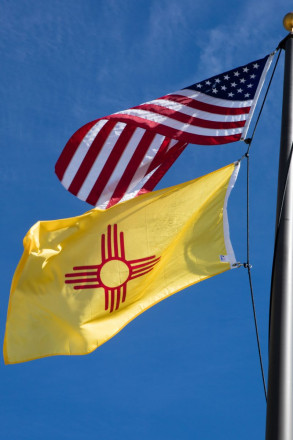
(118, 298)
(116, 251)
(198, 105)
(103, 248)
(112, 300)
(113, 159)
(81, 280)
(143, 267)
(167, 161)
(86, 267)
(147, 261)
(186, 119)
(106, 299)
(122, 245)
(124, 293)
(173, 133)
(131, 168)
(160, 153)
(141, 274)
(87, 286)
(90, 157)
(81, 274)
(109, 242)
(70, 149)
(132, 262)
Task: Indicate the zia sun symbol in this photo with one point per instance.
(114, 272)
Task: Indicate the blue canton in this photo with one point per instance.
(239, 84)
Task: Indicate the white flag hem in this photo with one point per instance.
(257, 93)
(230, 256)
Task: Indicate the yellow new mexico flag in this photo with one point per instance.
(81, 280)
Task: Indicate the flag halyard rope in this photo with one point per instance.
(247, 265)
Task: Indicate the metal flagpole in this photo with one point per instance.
(279, 425)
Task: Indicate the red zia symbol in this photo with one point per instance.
(114, 272)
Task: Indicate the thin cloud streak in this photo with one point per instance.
(226, 42)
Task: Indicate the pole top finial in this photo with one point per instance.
(288, 22)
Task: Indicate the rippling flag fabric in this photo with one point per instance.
(123, 155)
(81, 280)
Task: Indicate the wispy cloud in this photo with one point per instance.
(170, 26)
(227, 44)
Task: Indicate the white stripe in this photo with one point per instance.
(230, 257)
(176, 106)
(138, 182)
(81, 152)
(139, 179)
(180, 126)
(202, 97)
(134, 191)
(148, 158)
(171, 144)
(121, 166)
(152, 150)
(132, 194)
(145, 163)
(100, 161)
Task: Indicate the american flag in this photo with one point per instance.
(126, 154)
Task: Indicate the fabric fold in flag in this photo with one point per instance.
(81, 280)
(126, 154)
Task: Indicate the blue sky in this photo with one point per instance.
(188, 368)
